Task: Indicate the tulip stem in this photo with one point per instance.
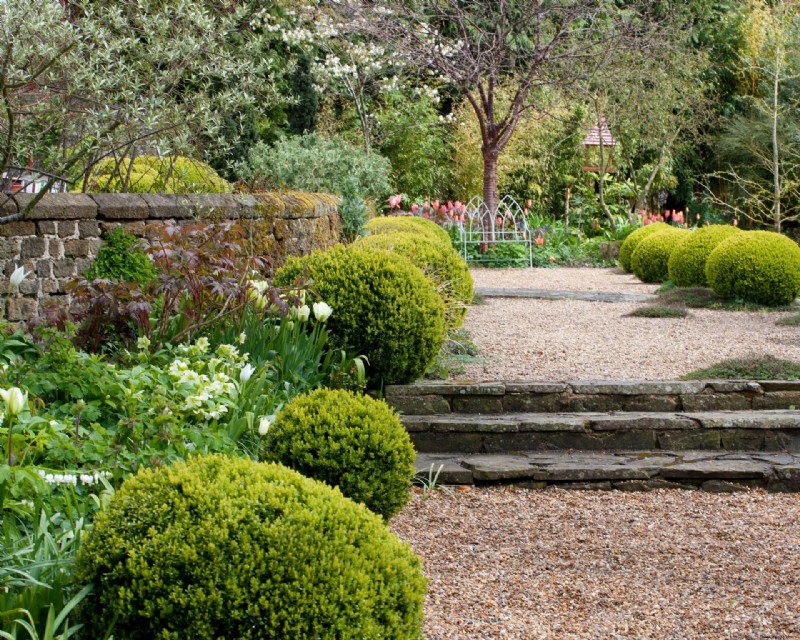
(10, 441)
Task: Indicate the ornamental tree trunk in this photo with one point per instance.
(490, 195)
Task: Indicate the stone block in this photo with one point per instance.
(60, 206)
(18, 228)
(538, 402)
(782, 441)
(719, 469)
(748, 419)
(780, 385)
(733, 386)
(721, 486)
(64, 268)
(121, 206)
(648, 485)
(29, 286)
(419, 405)
(44, 268)
(33, 248)
(789, 475)
(215, 206)
(639, 421)
(651, 403)
(82, 264)
(447, 442)
(168, 206)
(584, 486)
(47, 228)
(89, 229)
(82, 248)
(588, 471)
(689, 439)
(563, 440)
(477, 404)
(535, 387)
(49, 285)
(716, 402)
(777, 400)
(68, 228)
(20, 309)
(742, 439)
(636, 388)
(598, 403)
(9, 248)
(494, 468)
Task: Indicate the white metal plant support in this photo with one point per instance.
(508, 225)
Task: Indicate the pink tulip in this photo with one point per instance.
(414, 207)
(698, 216)
(435, 204)
(735, 222)
(427, 215)
(529, 203)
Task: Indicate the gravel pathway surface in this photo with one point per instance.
(530, 339)
(564, 565)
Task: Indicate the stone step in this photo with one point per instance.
(625, 470)
(763, 430)
(433, 398)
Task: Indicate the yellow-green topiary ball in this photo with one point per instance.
(632, 241)
(687, 263)
(383, 307)
(156, 174)
(447, 270)
(349, 441)
(220, 547)
(756, 266)
(650, 259)
(408, 224)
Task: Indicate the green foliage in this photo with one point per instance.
(408, 224)
(650, 259)
(633, 240)
(353, 212)
(154, 174)
(313, 163)
(120, 259)
(348, 441)
(229, 548)
(754, 367)
(447, 270)
(687, 263)
(756, 266)
(303, 115)
(385, 308)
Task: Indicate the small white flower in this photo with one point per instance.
(242, 337)
(264, 424)
(322, 311)
(246, 373)
(15, 400)
(143, 343)
(18, 275)
(303, 313)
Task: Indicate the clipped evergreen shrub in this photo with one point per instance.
(350, 441)
(632, 241)
(756, 266)
(447, 270)
(383, 308)
(408, 224)
(120, 259)
(650, 259)
(156, 174)
(687, 262)
(222, 547)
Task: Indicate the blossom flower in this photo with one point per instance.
(242, 337)
(14, 399)
(246, 373)
(301, 313)
(143, 343)
(540, 240)
(264, 424)
(322, 311)
(18, 275)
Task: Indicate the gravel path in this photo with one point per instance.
(526, 339)
(561, 565)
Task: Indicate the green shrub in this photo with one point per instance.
(353, 212)
(650, 259)
(408, 224)
(350, 441)
(447, 270)
(154, 174)
(120, 259)
(383, 308)
(230, 548)
(756, 266)
(687, 263)
(313, 163)
(633, 240)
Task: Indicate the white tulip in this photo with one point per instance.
(303, 313)
(246, 373)
(264, 424)
(18, 275)
(15, 400)
(322, 311)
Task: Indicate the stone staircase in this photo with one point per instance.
(719, 435)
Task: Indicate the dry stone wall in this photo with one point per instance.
(60, 237)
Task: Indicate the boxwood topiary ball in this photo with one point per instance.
(383, 308)
(650, 259)
(350, 441)
(222, 547)
(687, 263)
(756, 266)
(632, 241)
(447, 270)
(408, 224)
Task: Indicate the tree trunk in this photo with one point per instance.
(490, 197)
(776, 167)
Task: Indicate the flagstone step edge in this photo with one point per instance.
(623, 470)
